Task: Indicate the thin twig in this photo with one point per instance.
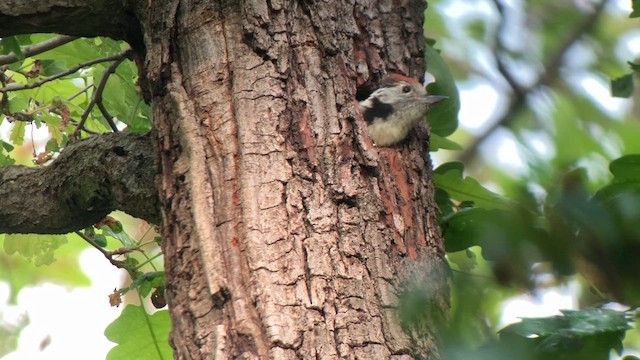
(107, 254)
(97, 94)
(499, 48)
(552, 66)
(38, 48)
(90, 132)
(84, 89)
(69, 71)
(107, 116)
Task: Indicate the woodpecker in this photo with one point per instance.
(396, 107)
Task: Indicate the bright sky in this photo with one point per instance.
(71, 320)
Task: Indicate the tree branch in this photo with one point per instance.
(97, 94)
(519, 96)
(107, 254)
(35, 84)
(499, 49)
(38, 48)
(87, 18)
(91, 178)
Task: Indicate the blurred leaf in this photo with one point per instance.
(6, 146)
(461, 230)
(572, 135)
(19, 272)
(626, 169)
(34, 247)
(437, 142)
(19, 103)
(10, 328)
(100, 240)
(622, 86)
(444, 202)
(477, 29)
(53, 67)
(148, 281)
(139, 335)
(6, 160)
(71, 53)
(443, 117)
(462, 188)
(508, 238)
(121, 236)
(464, 260)
(10, 45)
(635, 6)
(434, 21)
(585, 334)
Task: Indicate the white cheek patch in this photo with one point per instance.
(382, 95)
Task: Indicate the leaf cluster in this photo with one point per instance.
(562, 219)
(69, 88)
(80, 87)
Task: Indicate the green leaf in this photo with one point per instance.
(148, 281)
(444, 203)
(114, 94)
(477, 29)
(19, 272)
(10, 45)
(622, 86)
(5, 160)
(53, 67)
(446, 167)
(18, 103)
(572, 144)
(635, 67)
(437, 142)
(626, 168)
(462, 229)
(585, 334)
(71, 53)
(57, 136)
(465, 260)
(100, 240)
(139, 335)
(443, 117)
(635, 6)
(467, 189)
(24, 40)
(34, 247)
(621, 195)
(121, 236)
(6, 146)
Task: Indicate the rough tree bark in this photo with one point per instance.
(89, 180)
(287, 235)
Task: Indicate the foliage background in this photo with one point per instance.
(87, 84)
(540, 127)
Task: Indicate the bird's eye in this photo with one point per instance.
(406, 89)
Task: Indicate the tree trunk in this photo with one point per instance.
(287, 234)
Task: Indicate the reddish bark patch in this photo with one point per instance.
(399, 204)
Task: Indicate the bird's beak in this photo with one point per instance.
(432, 99)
